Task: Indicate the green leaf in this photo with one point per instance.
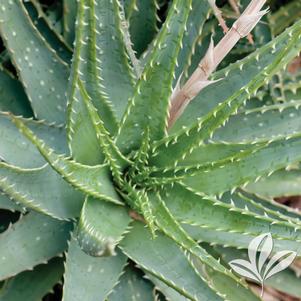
(31, 241)
(280, 184)
(69, 19)
(96, 276)
(114, 72)
(154, 256)
(225, 286)
(183, 143)
(117, 162)
(92, 180)
(43, 25)
(12, 96)
(207, 154)
(41, 189)
(131, 287)
(260, 206)
(284, 212)
(285, 16)
(8, 204)
(25, 154)
(264, 123)
(143, 24)
(33, 285)
(195, 23)
(43, 74)
(239, 226)
(149, 105)
(249, 168)
(238, 76)
(81, 131)
(166, 290)
(101, 226)
(171, 227)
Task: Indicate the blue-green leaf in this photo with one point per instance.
(43, 74)
(90, 278)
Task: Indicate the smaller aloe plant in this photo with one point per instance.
(143, 157)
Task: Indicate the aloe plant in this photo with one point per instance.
(136, 148)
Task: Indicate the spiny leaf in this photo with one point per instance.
(225, 286)
(262, 123)
(117, 162)
(142, 23)
(206, 213)
(169, 226)
(138, 200)
(81, 133)
(132, 286)
(269, 204)
(33, 285)
(285, 16)
(42, 72)
(153, 255)
(97, 276)
(149, 105)
(114, 73)
(101, 227)
(205, 155)
(195, 23)
(250, 168)
(92, 180)
(166, 290)
(182, 144)
(25, 154)
(236, 76)
(233, 239)
(55, 40)
(8, 204)
(41, 189)
(280, 184)
(31, 241)
(260, 206)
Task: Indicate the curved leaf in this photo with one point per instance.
(31, 241)
(101, 226)
(148, 107)
(90, 278)
(42, 72)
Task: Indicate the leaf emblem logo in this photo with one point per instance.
(261, 266)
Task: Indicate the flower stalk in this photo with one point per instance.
(215, 54)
